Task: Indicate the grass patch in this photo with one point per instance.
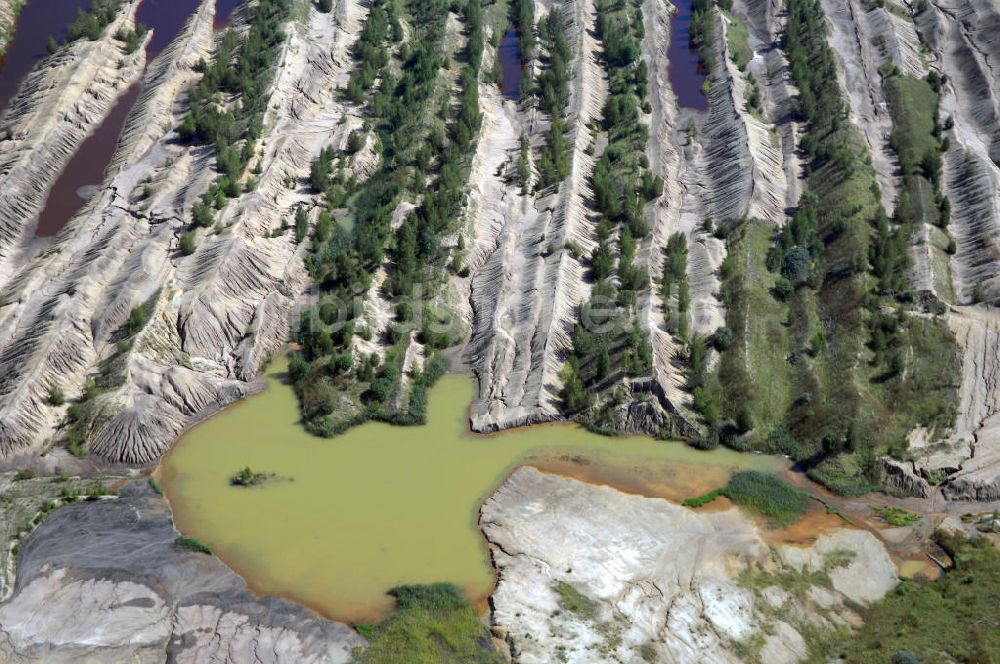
(912, 103)
(776, 500)
(431, 624)
(572, 600)
(753, 372)
(952, 619)
(897, 517)
(738, 41)
(191, 544)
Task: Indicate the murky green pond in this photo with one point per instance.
(380, 506)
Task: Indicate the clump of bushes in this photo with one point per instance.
(56, 396)
(247, 477)
(774, 499)
(89, 24)
(132, 38)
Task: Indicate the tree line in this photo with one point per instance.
(860, 370)
(242, 69)
(622, 186)
(425, 147)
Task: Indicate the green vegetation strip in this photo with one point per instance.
(896, 516)
(191, 544)
(572, 600)
(622, 184)
(919, 141)
(553, 95)
(425, 143)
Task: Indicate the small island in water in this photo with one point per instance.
(248, 477)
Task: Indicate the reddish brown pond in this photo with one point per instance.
(686, 75)
(39, 20)
(76, 184)
(166, 17)
(223, 10)
(85, 171)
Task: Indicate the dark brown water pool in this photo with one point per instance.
(510, 65)
(39, 20)
(686, 73)
(78, 181)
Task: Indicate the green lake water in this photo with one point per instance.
(350, 517)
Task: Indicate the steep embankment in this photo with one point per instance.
(124, 591)
(769, 67)
(525, 294)
(962, 44)
(173, 336)
(643, 579)
(57, 105)
(54, 340)
(853, 39)
(734, 170)
(737, 160)
(230, 301)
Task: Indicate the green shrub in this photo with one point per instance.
(202, 215)
(247, 477)
(188, 243)
(783, 289)
(896, 516)
(191, 544)
(138, 317)
(56, 396)
(26, 474)
(722, 339)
